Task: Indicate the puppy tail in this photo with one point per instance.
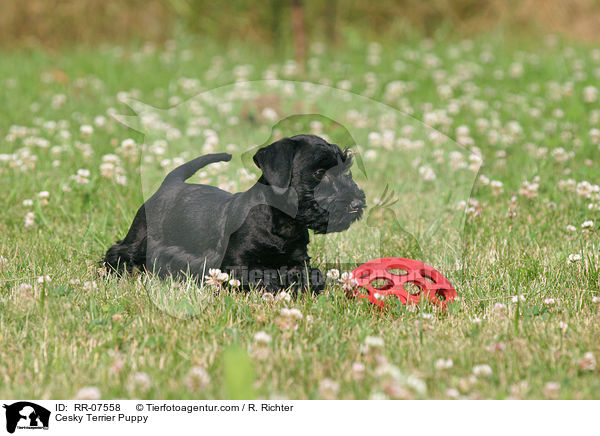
(187, 170)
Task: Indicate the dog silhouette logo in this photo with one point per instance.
(26, 415)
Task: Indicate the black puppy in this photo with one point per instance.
(259, 236)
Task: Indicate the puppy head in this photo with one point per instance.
(328, 198)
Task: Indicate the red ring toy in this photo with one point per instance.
(430, 282)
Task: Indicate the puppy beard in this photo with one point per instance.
(327, 215)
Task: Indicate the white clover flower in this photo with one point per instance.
(44, 279)
(262, 337)
(590, 94)
(291, 313)
(463, 131)
(378, 396)
(111, 158)
(415, 383)
(596, 299)
(500, 308)
(333, 274)
(345, 85)
(58, 100)
(567, 185)
(444, 91)
(128, 143)
(234, 283)
(44, 196)
(427, 173)
(587, 362)
(375, 139)
(28, 202)
(563, 326)
(100, 121)
(197, 379)
(267, 297)
(457, 160)
(296, 313)
(586, 189)
(587, 225)
(216, 277)
(88, 393)
(358, 369)
(25, 289)
(107, 170)
(269, 114)
(571, 228)
(574, 258)
(529, 189)
(518, 298)
(328, 389)
(284, 296)
(442, 364)
(594, 135)
(82, 176)
(465, 141)
(560, 155)
(495, 347)
(497, 187)
(374, 343)
(475, 162)
(86, 130)
(348, 281)
(515, 70)
(549, 301)
(452, 393)
(140, 381)
(482, 370)
(90, 286)
(551, 390)
(29, 220)
(245, 176)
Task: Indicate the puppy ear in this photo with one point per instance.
(275, 161)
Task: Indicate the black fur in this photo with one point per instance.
(259, 236)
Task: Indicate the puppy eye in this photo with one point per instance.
(319, 174)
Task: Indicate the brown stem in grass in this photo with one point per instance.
(299, 32)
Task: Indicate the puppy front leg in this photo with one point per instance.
(265, 279)
(303, 278)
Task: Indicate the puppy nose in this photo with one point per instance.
(357, 204)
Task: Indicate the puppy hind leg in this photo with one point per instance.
(176, 262)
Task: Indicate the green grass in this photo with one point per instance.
(81, 329)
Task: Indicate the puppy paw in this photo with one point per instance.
(305, 280)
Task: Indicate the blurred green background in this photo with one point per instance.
(286, 24)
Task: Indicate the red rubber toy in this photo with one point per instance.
(393, 273)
